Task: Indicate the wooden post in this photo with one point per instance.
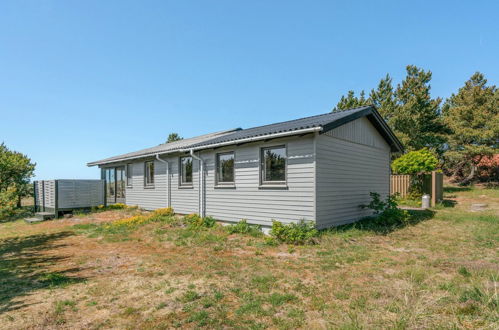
(433, 188)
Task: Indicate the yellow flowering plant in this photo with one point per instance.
(157, 215)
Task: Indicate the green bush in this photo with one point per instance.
(386, 212)
(8, 202)
(242, 227)
(294, 233)
(415, 162)
(195, 221)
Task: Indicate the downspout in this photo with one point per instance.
(168, 190)
(201, 206)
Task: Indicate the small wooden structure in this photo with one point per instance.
(54, 196)
(433, 185)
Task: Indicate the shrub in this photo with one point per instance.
(168, 211)
(195, 221)
(294, 233)
(415, 162)
(117, 206)
(209, 222)
(386, 212)
(242, 227)
(8, 202)
(165, 214)
(131, 222)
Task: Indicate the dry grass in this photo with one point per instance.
(441, 271)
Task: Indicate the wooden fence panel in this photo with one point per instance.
(400, 184)
(433, 185)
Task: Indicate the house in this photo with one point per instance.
(318, 168)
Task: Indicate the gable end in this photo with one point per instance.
(376, 120)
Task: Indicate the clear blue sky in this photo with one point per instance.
(83, 80)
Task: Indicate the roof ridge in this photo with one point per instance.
(308, 117)
(202, 135)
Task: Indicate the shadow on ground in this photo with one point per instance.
(370, 223)
(456, 189)
(20, 213)
(24, 268)
(449, 203)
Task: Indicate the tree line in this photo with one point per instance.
(16, 171)
(461, 131)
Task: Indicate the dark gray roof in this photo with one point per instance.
(162, 148)
(285, 126)
(324, 122)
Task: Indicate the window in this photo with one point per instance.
(149, 174)
(186, 171)
(120, 182)
(273, 165)
(225, 168)
(110, 183)
(115, 184)
(129, 182)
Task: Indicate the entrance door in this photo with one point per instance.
(120, 184)
(115, 184)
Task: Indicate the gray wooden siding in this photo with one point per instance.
(38, 194)
(80, 193)
(352, 160)
(184, 200)
(149, 198)
(71, 194)
(248, 201)
(49, 187)
(360, 131)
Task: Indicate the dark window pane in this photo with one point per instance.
(111, 182)
(120, 182)
(186, 170)
(149, 173)
(225, 167)
(274, 164)
(129, 174)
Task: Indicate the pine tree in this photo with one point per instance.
(351, 101)
(417, 119)
(172, 137)
(472, 116)
(383, 98)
